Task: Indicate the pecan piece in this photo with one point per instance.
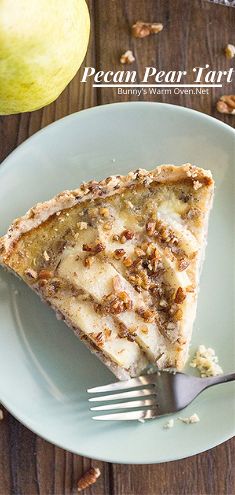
(127, 57)
(226, 104)
(45, 274)
(118, 253)
(144, 330)
(147, 314)
(127, 261)
(116, 237)
(107, 332)
(88, 478)
(229, 51)
(94, 248)
(178, 314)
(179, 296)
(104, 212)
(126, 235)
(88, 261)
(142, 29)
(98, 337)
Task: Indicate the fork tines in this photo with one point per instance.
(147, 390)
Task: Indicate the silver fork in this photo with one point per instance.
(154, 395)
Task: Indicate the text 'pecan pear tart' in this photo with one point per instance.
(119, 260)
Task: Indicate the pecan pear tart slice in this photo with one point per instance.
(119, 261)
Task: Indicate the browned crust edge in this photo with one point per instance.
(39, 213)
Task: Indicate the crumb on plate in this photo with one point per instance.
(169, 424)
(190, 420)
(206, 361)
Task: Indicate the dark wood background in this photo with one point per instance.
(195, 33)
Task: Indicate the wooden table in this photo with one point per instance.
(195, 33)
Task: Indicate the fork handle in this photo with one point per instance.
(214, 380)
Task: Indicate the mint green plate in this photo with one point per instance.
(44, 369)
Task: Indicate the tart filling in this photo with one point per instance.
(119, 260)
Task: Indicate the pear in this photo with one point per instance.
(42, 45)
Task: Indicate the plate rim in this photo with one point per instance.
(109, 105)
(3, 166)
(113, 459)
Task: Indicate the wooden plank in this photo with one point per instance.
(197, 475)
(192, 36)
(195, 32)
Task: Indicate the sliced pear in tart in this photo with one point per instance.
(119, 260)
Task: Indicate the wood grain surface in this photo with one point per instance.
(195, 33)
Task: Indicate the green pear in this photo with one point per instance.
(42, 45)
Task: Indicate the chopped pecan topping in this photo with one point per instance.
(45, 274)
(144, 330)
(123, 296)
(116, 237)
(140, 281)
(139, 252)
(104, 212)
(126, 235)
(178, 314)
(88, 261)
(179, 296)
(190, 288)
(142, 29)
(98, 337)
(107, 332)
(127, 261)
(126, 333)
(118, 253)
(147, 314)
(107, 226)
(114, 303)
(94, 248)
(165, 234)
(50, 286)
